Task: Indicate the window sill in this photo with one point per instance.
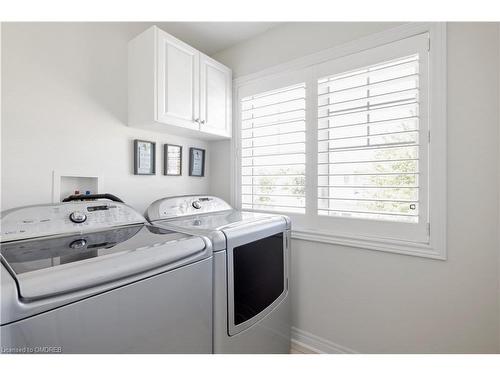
(386, 245)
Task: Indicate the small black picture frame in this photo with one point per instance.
(172, 164)
(144, 157)
(196, 162)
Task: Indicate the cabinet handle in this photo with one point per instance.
(197, 120)
(202, 122)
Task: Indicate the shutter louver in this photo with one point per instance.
(368, 142)
(273, 150)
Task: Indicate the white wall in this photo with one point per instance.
(499, 180)
(376, 302)
(219, 168)
(64, 108)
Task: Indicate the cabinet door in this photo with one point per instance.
(215, 106)
(178, 82)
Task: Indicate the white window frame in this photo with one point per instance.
(307, 69)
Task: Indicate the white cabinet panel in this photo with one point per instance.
(178, 82)
(215, 97)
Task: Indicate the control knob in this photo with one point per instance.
(197, 205)
(78, 244)
(77, 217)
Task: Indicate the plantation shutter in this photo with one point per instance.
(368, 142)
(273, 150)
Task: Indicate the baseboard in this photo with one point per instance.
(308, 343)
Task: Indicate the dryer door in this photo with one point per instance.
(257, 267)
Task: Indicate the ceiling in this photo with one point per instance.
(212, 37)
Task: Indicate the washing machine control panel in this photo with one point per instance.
(183, 206)
(45, 220)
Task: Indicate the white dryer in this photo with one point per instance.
(251, 270)
(94, 277)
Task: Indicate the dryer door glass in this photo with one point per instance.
(259, 276)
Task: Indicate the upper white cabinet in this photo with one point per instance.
(173, 87)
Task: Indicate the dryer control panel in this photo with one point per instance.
(44, 220)
(168, 208)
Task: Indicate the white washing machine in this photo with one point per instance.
(251, 270)
(94, 277)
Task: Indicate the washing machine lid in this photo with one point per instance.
(219, 221)
(217, 227)
(55, 265)
(204, 215)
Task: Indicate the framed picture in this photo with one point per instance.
(144, 157)
(196, 162)
(172, 160)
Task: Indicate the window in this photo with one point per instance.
(343, 144)
(273, 150)
(368, 142)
